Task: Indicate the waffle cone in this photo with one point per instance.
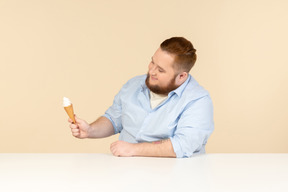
(70, 112)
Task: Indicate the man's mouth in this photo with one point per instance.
(153, 78)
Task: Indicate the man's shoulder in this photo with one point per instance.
(194, 90)
(136, 81)
(139, 78)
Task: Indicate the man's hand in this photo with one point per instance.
(122, 149)
(80, 129)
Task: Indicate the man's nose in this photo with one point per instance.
(153, 70)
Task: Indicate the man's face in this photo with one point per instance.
(161, 76)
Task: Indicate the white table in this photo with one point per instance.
(104, 172)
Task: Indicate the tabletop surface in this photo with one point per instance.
(104, 172)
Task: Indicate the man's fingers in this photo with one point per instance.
(75, 130)
(76, 134)
(114, 149)
(77, 119)
(114, 143)
(73, 126)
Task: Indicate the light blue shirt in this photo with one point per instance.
(185, 117)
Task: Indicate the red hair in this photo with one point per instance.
(183, 52)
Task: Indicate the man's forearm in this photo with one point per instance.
(100, 128)
(162, 148)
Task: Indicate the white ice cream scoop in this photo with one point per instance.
(66, 102)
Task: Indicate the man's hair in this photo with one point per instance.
(183, 52)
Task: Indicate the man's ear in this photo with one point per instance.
(181, 78)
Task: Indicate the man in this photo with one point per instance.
(165, 113)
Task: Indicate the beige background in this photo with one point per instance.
(86, 50)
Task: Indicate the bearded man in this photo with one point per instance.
(165, 113)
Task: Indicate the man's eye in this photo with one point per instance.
(160, 70)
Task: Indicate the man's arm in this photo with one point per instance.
(100, 128)
(162, 148)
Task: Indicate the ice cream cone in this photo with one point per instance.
(70, 112)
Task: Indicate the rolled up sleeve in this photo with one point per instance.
(113, 113)
(194, 128)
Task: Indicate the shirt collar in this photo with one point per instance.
(181, 88)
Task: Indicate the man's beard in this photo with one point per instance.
(161, 90)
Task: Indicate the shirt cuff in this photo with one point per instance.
(177, 147)
(114, 126)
